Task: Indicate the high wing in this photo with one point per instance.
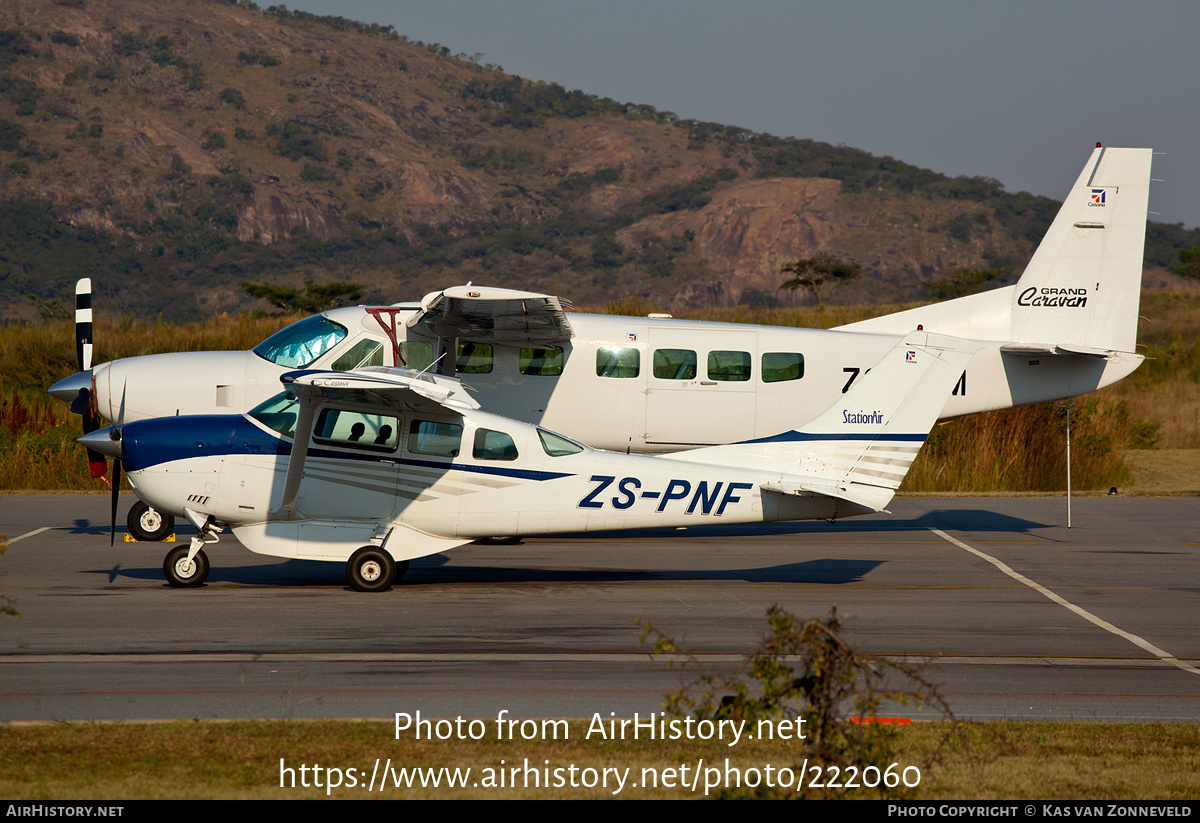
(491, 315)
(379, 383)
(390, 386)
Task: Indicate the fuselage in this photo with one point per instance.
(441, 478)
(630, 384)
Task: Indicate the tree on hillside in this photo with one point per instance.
(315, 298)
(1189, 263)
(819, 275)
(964, 281)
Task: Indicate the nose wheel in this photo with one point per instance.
(184, 572)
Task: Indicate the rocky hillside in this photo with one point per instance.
(173, 149)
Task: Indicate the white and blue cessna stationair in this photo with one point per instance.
(653, 385)
(379, 466)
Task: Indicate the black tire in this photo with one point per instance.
(371, 569)
(177, 572)
(498, 541)
(149, 525)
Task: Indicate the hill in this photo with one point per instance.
(172, 150)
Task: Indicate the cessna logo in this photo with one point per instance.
(862, 417)
(1050, 296)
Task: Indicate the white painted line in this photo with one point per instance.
(30, 534)
(1084, 613)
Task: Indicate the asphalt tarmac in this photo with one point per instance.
(1008, 612)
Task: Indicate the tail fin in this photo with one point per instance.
(861, 448)
(1083, 285)
(1080, 292)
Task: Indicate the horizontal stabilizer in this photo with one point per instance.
(1051, 350)
(868, 497)
(860, 448)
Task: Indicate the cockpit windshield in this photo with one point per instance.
(300, 344)
(279, 413)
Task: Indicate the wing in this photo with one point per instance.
(493, 315)
(380, 386)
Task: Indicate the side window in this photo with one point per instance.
(433, 437)
(417, 354)
(493, 445)
(474, 358)
(278, 413)
(356, 430)
(675, 364)
(778, 366)
(616, 361)
(366, 352)
(548, 361)
(729, 366)
(555, 445)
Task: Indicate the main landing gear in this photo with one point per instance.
(372, 569)
(147, 524)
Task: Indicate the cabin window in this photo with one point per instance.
(778, 366)
(614, 361)
(474, 358)
(433, 437)
(547, 361)
(729, 366)
(357, 430)
(493, 445)
(366, 352)
(674, 364)
(416, 354)
(300, 344)
(556, 445)
(278, 413)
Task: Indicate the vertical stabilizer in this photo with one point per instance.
(1083, 285)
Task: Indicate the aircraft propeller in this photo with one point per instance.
(107, 441)
(78, 387)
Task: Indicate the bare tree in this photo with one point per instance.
(820, 275)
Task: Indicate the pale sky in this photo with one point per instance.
(1016, 90)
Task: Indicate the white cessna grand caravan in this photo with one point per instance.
(655, 385)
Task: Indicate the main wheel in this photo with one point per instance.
(149, 524)
(183, 574)
(371, 569)
(498, 541)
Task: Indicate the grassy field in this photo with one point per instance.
(242, 760)
(1118, 433)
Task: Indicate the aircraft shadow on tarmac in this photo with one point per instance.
(440, 569)
(976, 520)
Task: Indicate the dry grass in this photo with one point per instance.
(241, 760)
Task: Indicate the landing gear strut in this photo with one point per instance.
(187, 568)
